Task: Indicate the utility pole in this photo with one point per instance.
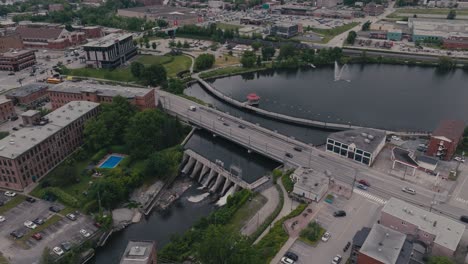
(433, 202)
(354, 181)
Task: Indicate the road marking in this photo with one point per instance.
(461, 200)
(370, 196)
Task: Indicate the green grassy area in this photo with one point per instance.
(147, 60)
(227, 71)
(52, 220)
(247, 211)
(312, 234)
(225, 26)
(3, 260)
(226, 60)
(120, 74)
(12, 203)
(328, 34)
(4, 134)
(431, 11)
(287, 182)
(180, 63)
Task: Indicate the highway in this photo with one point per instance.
(277, 146)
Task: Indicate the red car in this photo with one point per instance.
(364, 182)
(37, 236)
(97, 224)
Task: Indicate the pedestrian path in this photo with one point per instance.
(370, 196)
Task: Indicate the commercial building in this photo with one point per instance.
(407, 158)
(361, 145)
(455, 42)
(7, 110)
(90, 32)
(49, 36)
(175, 16)
(11, 41)
(140, 252)
(110, 51)
(28, 94)
(445, 139)
(66, 92)
(309, 185)
(373, 9)
(17, 60)
(439, 233)
(436, 29)
(30, 153)
(284, 30)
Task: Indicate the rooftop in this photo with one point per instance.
(363, 138)
(360, 237)
(451, 129)
(448, 232)
(427, 159)
(108, 40)
(100, 89)
(383, 244)
(3, 100)
(26, 90)
(309, 179)
(30, 113)
(404, 156)
(24, 139)
(39, 32)
(16, 53)
(164, 10)
(137, 252)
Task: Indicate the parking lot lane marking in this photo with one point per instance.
(350, 222)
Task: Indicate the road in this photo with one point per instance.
(275, 146)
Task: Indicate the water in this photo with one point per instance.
(111, 162)
(381, 96)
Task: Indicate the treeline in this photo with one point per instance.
(211, 32)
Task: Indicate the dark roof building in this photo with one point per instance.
(445, 139)
(28, 94)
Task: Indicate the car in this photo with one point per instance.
(291, 255)
(54, 209)
(339, 213)
(408, 190)
(298, 149)
(11, 73)
(30, 199)
(464, 218)
(58, 251)
(396, 138)
(422, 149)
(364, 182)
(85, 233)
(15, 128)
(289, 155)
(286, 260)
(336, 260)
(362, 186)
(37, 236)
(326, 236)
(30, 224)
(38, 221)
(97, 224)
(241, 126)
(2, 218)
(193, 108)
(10, 194)
(66, 246)
(226, 124)
(71, 217)
(459, 159)
(17, 234)
(347, 246)
(13, 118)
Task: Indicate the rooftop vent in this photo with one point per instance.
(435, 224)
(12, 142)
(387, 234)
(33, 139)
(371, 137)
(367, 141)
(2, 148)
(364, 134)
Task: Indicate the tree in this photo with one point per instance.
(162, 23)
(179, 44)
(172, 44)
(351, 37)
(175, 86)
(439, 260)
(286, 51)
(268, 52)
(147, 45)
(154, 75)
(46, 258)
(154, 45)
(256, 45)
(68, 27)
(186, 45)
(248, 59)
(452, 14)
(259, 61)
(204, 61)
(446, 63)
(137, 68)
(366, 26)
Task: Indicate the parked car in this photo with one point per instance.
(71, 217)
(364, 182)
(66, 246)
(286, 260)
(17, 234)
(241, 126)
(193, 108)
(58, 251)
(30, 199)
(289, 155)
(459, 159)
(408, 190)
(10, 194)
(336, 260)
(339, 213)
(13, 118)
(37, 236)
(291, 255)
(464, 218)
(2, 218)
(362, 187)
(226, 124)
(326, 236)
(347, 246)
(396, 138)
(54, 209)
(97, 224)
(85, 233)
(298, 149)
(30, 224)
(11, 73)
(38, 221)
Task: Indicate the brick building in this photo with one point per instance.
(28, 94)
(142, 252)
(373, 9)
(110, 51)
(175, 16)
(439, 233)
(7, 110)
(11, 41)
(87, 91)
(49, 36)
(17, 60)
(31, 152)
(444, 140)
(455, 43)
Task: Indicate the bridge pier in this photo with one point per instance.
(204, 170)
(218, 182)
(189, 165)
(227, 183)
(209, 178)
(197, 168)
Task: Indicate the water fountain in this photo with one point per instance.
(342, 73)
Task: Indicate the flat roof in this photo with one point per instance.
(18, 142)
(137, 252)
(383, 244)
(16, 53)
(3, 100)
(108, 40)
(26, 90)
(164, 10)
(100, 89)
(427, 159)
(309, 179)
(30, 113)
(447, 231)
(363, 138)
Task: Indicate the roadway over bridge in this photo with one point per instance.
(275, 146)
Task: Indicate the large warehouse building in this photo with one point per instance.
(175, 16)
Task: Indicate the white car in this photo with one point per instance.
(408, 190)
(30, 224)
(326, 236)
(459, 159)
(85, 233)
(2, 218)
(58, 251)
(10, 194)
(336, 260)
(396, 138)
(286, 260)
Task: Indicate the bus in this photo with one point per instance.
(53, 80)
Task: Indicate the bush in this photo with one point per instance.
(312, 232)
(62, 196)
(287, 182)
(99, 155)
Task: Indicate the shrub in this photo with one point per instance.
(62, 196)
(99, 155)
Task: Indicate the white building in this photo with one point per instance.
(309, 184)
(110, 51)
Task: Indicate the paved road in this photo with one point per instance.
(275, 146)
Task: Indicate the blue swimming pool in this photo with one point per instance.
(111, 162)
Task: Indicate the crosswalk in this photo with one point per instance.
(370, 196)
(461, 200)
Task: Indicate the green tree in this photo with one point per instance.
(186, 45)
(256, 45)
(439, 260)
(162, 23)
(268, 52)
(446, 63)
(452, 14)
(154, 45)
(248, 59)
(46, 258)
(204, 61)
(366, 26)
(351, 37)
(287, 50)
(259, 61)
(154, 75)
(172, 44)
(137, 68)
(164, 163)
(179, 44)
(175, 86)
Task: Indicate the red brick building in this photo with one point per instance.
(28, 94)
(444, 140)
(7, 110)
(372, 9)
(30, 153)
(17, 60)
(65, 92)
(455, 43)
(11, 41)
(49, 36)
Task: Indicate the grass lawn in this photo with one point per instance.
(287, 182)
(3, 260)
(147, 60)
(225, 26)
(12, 203)
(54, 219)
(226, 60)
(247, 211)
(120, 74)
(328, 34)
(180, 63)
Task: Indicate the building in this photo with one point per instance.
(455, 42)
(407, 158)
(385, 246)
(436, 29)
(445, 139)
(7, 110)
(55, 7)
(66, 92)
(358, 240)
(284, 30)
(309, 185)
(327, 3)
(373, 9)
(48, 36)
(175, 16)
(437, 232)
(90, 32)
(31, 118)
(30, 153)
(28, 94)
(11, 41)
(361, 145)
(140, 252)
(110, 51)
(17, 60)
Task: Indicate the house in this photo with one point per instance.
(284, 30)
(445, 139)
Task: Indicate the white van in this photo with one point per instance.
(193, 108)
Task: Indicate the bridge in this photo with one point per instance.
(275, 146)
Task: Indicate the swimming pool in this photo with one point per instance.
(111, 162)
